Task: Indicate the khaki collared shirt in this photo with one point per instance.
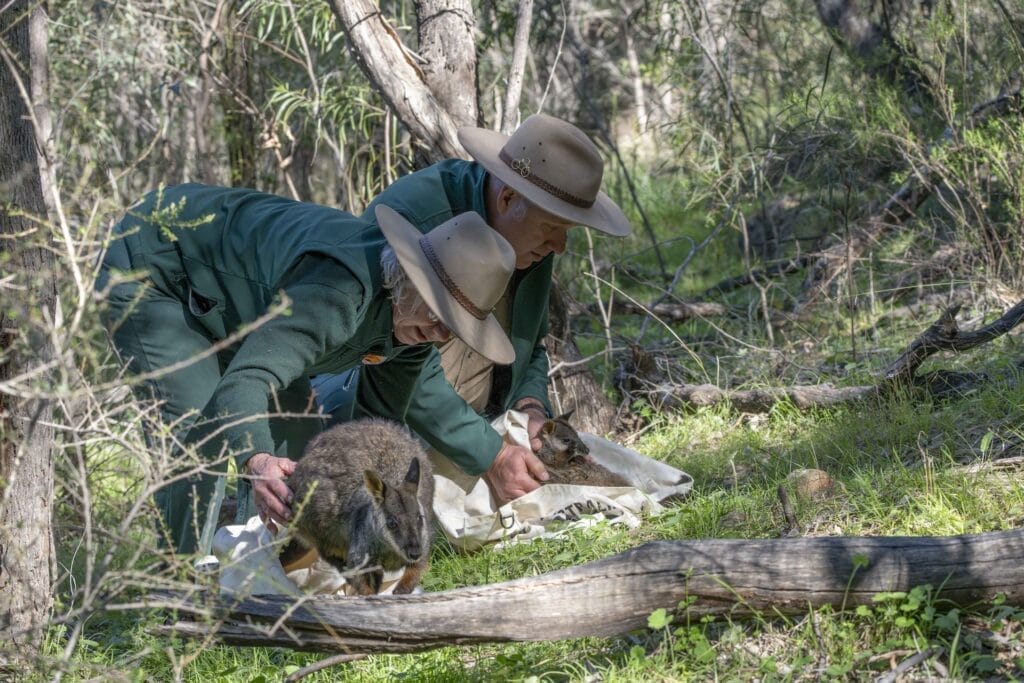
(466, 370)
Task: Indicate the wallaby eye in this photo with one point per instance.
(392, 523)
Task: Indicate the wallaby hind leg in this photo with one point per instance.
(411, 577)
(366, 582)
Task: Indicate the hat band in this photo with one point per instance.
(522, 167)
(449, 284)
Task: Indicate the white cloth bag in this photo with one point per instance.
(467, 516)
(249, 565)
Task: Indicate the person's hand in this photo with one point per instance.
(533, 409)
(515, 472)
(272, 495)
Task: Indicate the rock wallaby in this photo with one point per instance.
(565, 456)
(364, 491)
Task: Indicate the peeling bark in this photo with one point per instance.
(448, 54)
(395, 74)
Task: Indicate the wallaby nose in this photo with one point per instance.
(413, 552)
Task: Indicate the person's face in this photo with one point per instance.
(532, 232)
(412, 321)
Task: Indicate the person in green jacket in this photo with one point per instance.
(531, 187)
(225, 301)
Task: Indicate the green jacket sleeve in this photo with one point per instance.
(439, 415)
(327, 304)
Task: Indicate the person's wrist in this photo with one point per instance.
(533, 404)
(254, 464)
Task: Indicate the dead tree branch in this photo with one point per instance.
(679, 397)
(785, 268)
(945, 335)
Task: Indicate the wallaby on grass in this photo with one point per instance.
(566, 457)
(364, 492)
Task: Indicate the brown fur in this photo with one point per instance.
(364, 492)
(566, 457)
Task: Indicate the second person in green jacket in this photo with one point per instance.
(193, 266)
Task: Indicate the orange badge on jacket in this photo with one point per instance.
(373, 359)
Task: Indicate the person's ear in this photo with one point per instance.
(505, 198)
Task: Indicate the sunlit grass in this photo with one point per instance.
(904, 476)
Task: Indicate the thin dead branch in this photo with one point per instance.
(786, 267)
(942, 335)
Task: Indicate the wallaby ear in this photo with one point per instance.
(564, 417)
(548, 428)
(413, 475)
(375, 485)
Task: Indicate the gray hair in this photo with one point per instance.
(519, 205)
(393, 275)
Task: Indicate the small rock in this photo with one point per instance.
(813, 484)
(732, 520)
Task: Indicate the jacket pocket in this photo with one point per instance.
(205, 299)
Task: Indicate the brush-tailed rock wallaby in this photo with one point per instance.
(363, 492)
(565, 456)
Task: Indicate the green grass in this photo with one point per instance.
(902, 477)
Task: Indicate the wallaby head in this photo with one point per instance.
(399, 512)
(560, 443)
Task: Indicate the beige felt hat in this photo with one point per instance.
(554, 165)
(461, 268)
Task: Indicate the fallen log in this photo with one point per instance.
(735, 578)
(673, 312)
(681, 396)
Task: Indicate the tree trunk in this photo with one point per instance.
(241, 125)
(26, 459)
(206, 168)
(448, 51)
(393, 73)
(871, 43)
(714, 30)
(573, 386)
(514, 85)
(734, 578)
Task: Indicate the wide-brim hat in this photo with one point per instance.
(554, 165)
(461, 269)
